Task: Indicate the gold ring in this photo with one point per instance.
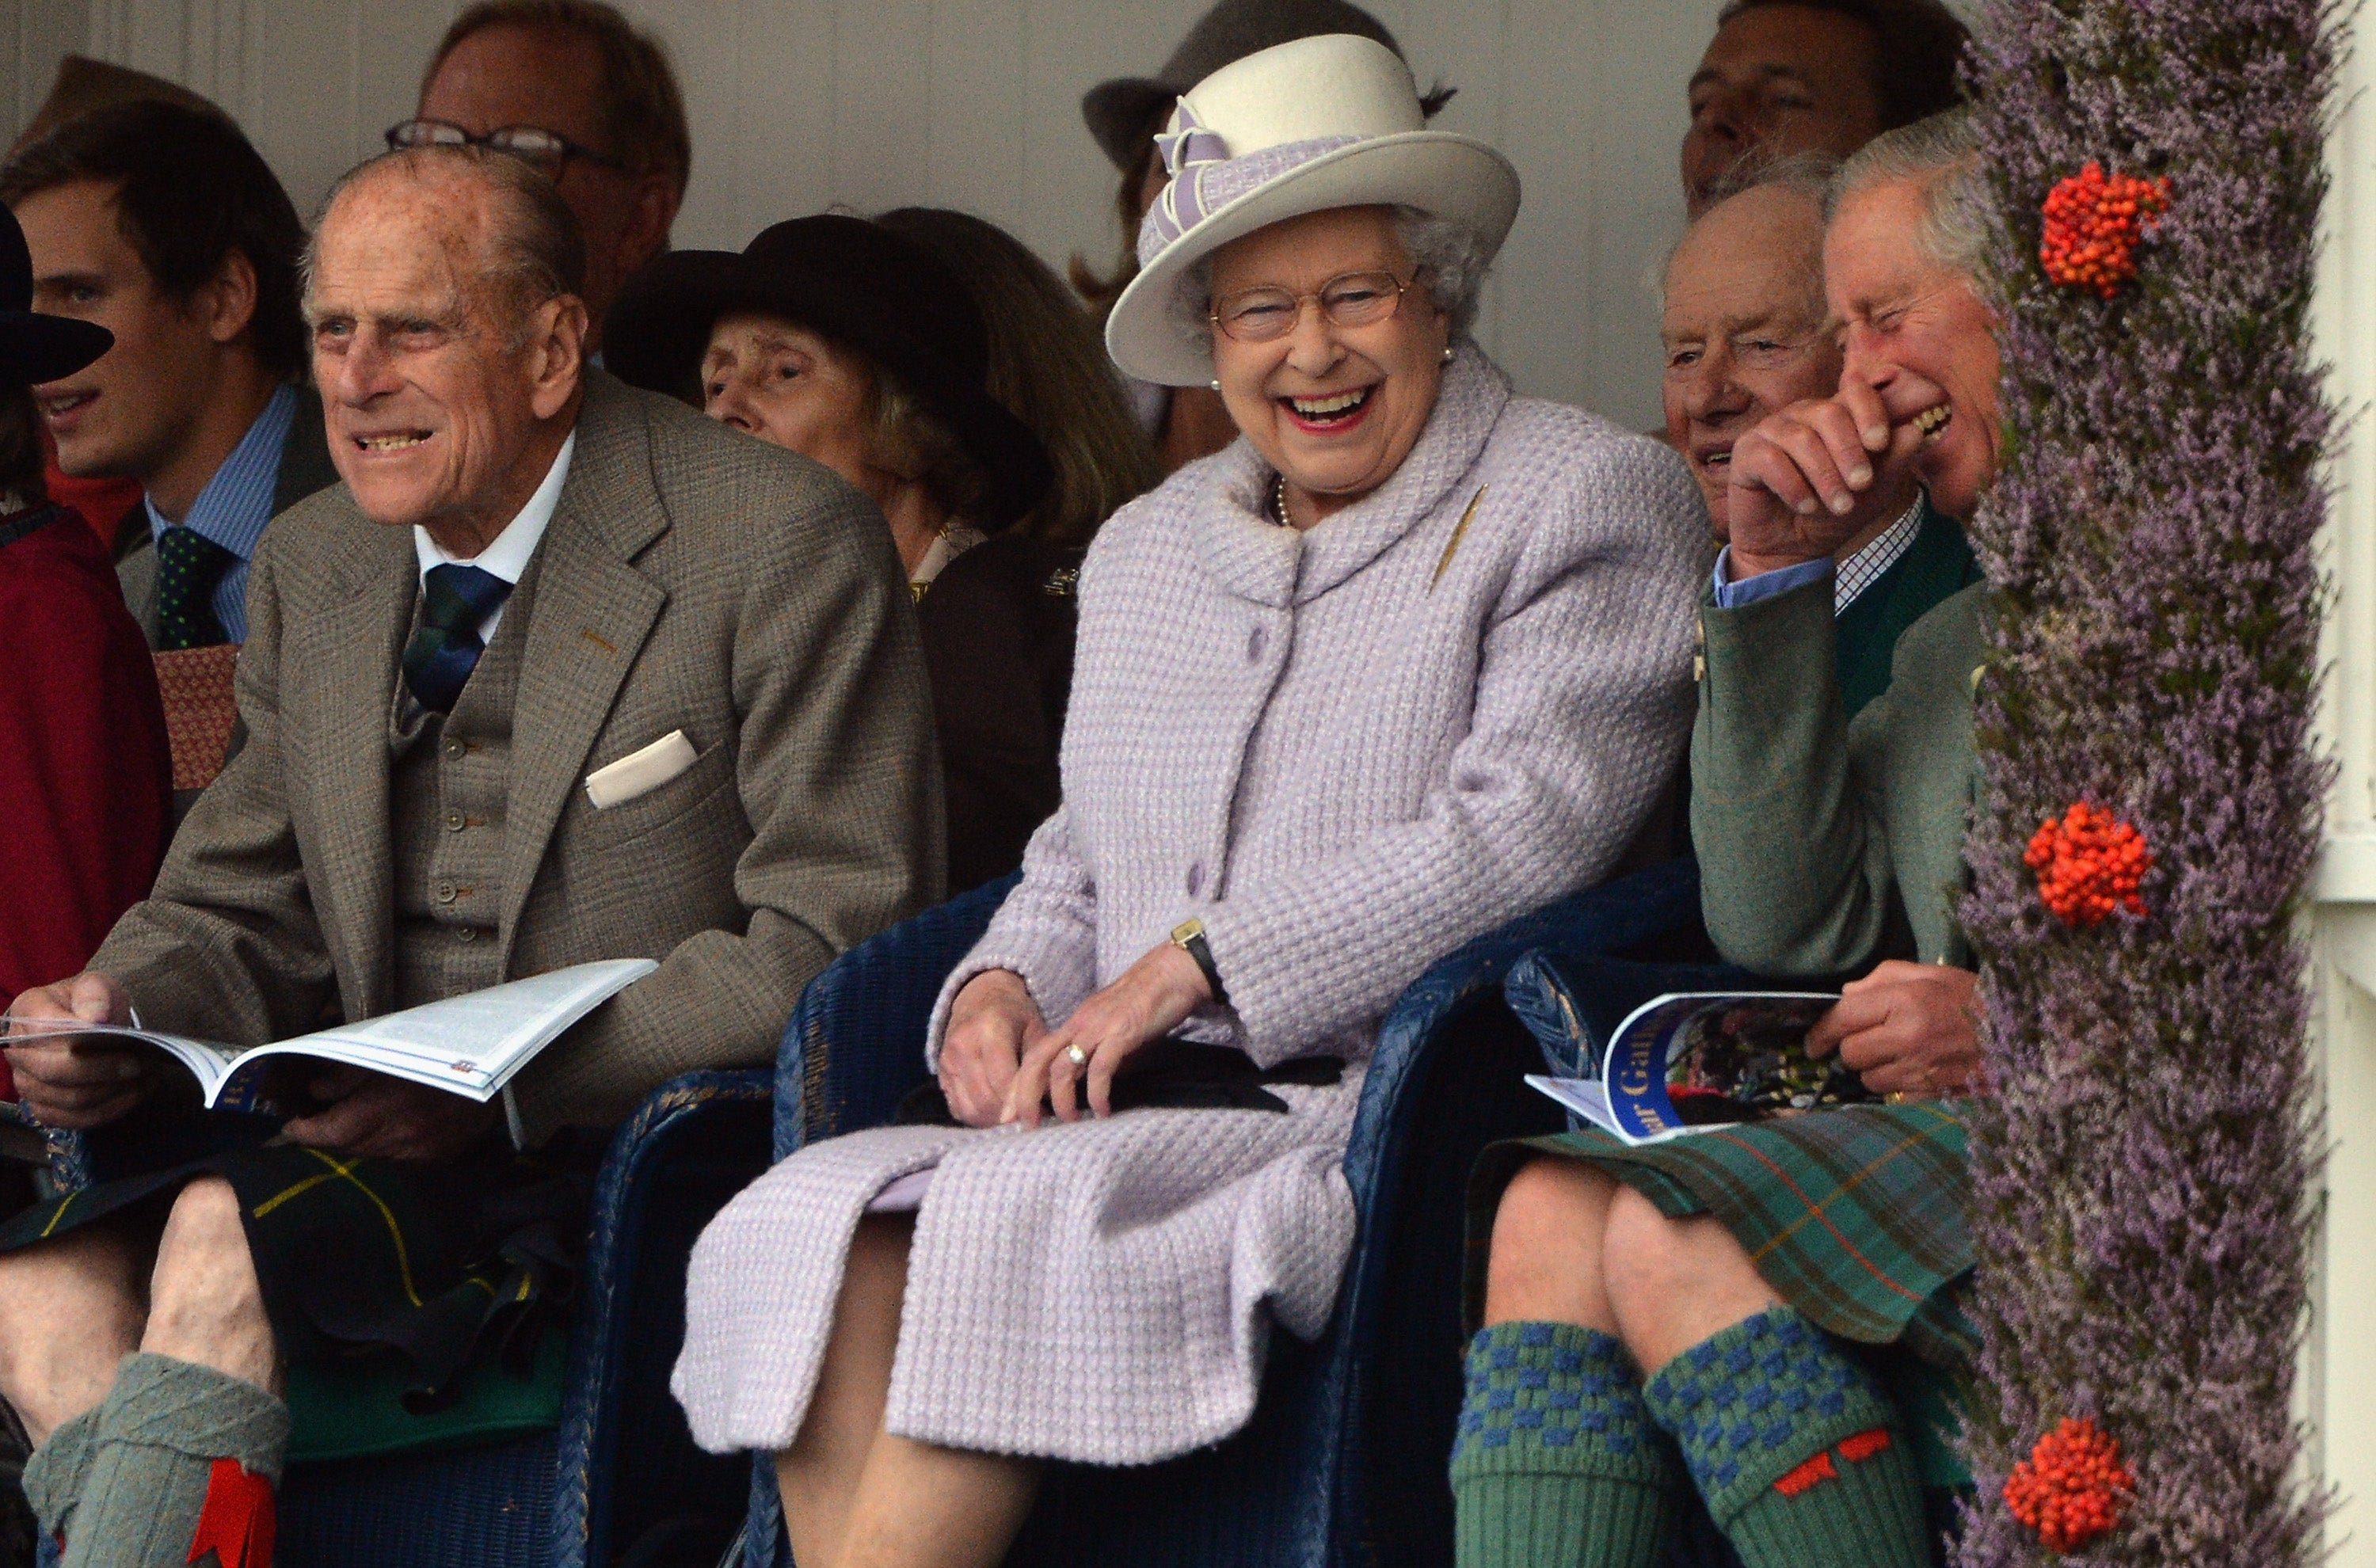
(1078, 1057)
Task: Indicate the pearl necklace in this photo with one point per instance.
(1279, 502)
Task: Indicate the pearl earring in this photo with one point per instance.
(1447, 354)
(1217, 383)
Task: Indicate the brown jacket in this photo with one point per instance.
(691, 579)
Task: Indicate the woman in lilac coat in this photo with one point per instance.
(1409, 659)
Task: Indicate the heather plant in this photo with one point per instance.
(2140, 1169)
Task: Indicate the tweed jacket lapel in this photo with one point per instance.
(591, 615)
(338, 672)
(1250, 554)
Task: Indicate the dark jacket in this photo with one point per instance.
(998, 626)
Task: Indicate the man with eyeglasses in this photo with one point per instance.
(571, 88)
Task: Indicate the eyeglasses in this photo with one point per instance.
(548, 152)
(1351, 299)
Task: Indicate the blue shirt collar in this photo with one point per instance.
(236, 504)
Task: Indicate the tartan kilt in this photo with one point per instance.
(1856, 1217)
(445, 1265)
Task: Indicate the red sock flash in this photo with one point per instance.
(238, 1520)
(1820, 1469)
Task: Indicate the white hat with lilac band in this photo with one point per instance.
(1306, 127)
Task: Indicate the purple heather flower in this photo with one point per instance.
(2140, 1170)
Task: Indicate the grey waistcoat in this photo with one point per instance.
(449, 777)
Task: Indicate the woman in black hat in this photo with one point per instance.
(849, 344)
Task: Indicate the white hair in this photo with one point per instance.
(1943, 153)
(1449, 253)
(1805, 174)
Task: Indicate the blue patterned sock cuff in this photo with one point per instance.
(1753, 1403)
(1557, 1397)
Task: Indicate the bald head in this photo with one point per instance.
(506, 218)
(448, 338)
(1744, 326)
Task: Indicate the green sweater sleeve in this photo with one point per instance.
(1794, 863)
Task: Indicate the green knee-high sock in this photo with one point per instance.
(1795, 1448)
(54, 1474)
(184, 1457)
(1556, 1464)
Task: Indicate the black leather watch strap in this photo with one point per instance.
(1189, 937)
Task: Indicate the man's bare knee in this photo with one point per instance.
(1673, 1282)
(1550, 1201)
(205, 1302)
(70, 1309)
(1545, 1263)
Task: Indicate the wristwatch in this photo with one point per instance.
(1189, 937)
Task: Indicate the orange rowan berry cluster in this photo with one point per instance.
(2093, 224)
(2072, 1488)
(2088, 863)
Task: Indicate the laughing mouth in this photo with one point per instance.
(1334, 409)
(1718, 458)
(396, 443)
(1933, 421)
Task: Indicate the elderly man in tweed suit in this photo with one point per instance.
(561, 672)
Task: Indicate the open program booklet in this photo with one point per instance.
(1691, 1062)
(469, 1045)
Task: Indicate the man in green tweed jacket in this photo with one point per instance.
(1765, 1316)
(561, 672)
(1827, 842)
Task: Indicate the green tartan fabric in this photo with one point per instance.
(1855, 1217)
(449, 1265)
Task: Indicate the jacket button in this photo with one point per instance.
(1195, 878)
(444, 892)
(452, 822)
(1255, 645)
(452, 751)
(466, 933)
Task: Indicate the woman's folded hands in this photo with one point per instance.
(1000, 1061)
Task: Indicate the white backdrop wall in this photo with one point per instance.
(800, 104)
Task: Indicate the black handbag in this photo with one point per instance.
(1168, 1075)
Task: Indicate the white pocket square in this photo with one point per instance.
(640, 772)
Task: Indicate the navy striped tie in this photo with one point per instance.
(454, 600)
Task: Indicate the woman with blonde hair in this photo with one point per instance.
(1000, 718)
(1049, 367)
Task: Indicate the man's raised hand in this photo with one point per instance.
(1811, 478)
